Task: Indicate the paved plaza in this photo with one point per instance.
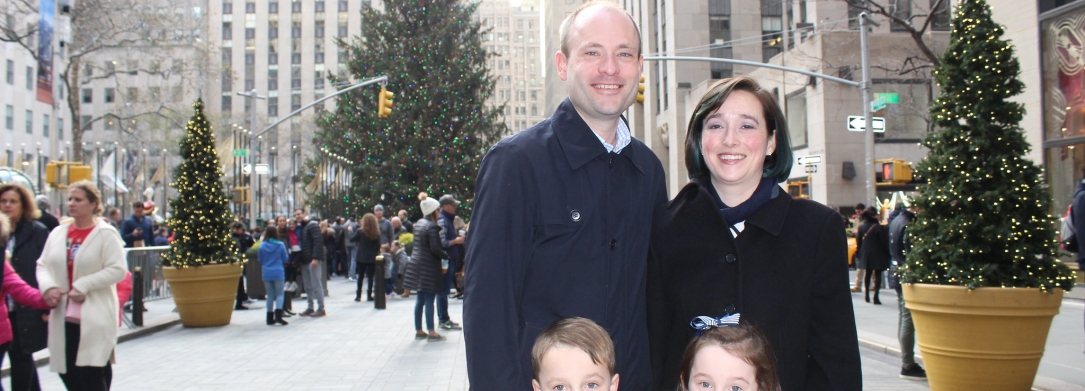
(359, 348)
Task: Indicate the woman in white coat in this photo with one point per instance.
(78, 273)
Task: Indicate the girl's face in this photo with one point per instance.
(714, 368)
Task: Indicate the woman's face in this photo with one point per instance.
(11, 205)
(714, 368)
(280, 222)
(78, 204)
(735, 141)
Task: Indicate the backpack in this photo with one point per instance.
(1067, 235)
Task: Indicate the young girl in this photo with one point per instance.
(728, 356)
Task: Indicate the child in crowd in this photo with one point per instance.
(574, 353)
(390, 265)
(728, 356)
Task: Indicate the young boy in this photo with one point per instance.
(575, 353)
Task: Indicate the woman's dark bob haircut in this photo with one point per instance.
(778, 165)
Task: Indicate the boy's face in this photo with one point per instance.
(566, 368)
(717, 369)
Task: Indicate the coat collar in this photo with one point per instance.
(770, 217)
(579, 144)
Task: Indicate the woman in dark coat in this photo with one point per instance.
(424, 271)
(29, 329)
(733, 241)
(873, 248)
(368, 240)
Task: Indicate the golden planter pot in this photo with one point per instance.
(985, 339)
(204, 295)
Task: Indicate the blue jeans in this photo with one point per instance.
(442, 296)
(274, 294)
(389, 286)
(423, 299)
(906, 333)
(352, 252)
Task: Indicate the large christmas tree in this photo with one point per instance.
(439, 127)
(985, 213)
(201, 216)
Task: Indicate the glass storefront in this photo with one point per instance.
(1063, 62)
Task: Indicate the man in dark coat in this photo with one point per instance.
(899, 246)
(452, 244)
(244, 242)
(562, 216)
(46, 218)
(312, 262)
(136, 229)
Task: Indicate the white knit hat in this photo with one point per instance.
(429, 205)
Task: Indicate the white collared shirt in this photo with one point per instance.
(623, 139)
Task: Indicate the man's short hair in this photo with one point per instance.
(43, 202)
(563, 31)
(238, 225)
(137, 205)
(575, 332)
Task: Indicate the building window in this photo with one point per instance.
(88, 95)
(295, 101)
(272, 58)
(318, 58)
(109, 95)
(719, 34)
(272, 84)
(273, 7)
(84, 122)
(30, 78)
(227, 30)
(342, 31)
(133, 94)
(45, 125)
(772, 39)
(295, 58)
(250, 8)
(796, 118)
(901, 9)
(60, 129)
(11, 72)
(319, 32)
(29, 122)
(295, 7)
(343, 6)
(319, 6)
(250, 33)
(227, 8)
(227, 103)
(941, 16)
(9, 117)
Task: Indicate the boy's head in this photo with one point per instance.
(730, 355)
(573, 352)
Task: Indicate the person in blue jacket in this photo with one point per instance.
(137, 228)
(562, 215)
(272, 255)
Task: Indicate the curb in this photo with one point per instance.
(42, 358)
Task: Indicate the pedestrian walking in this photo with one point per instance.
(873, 252)
(244, 243)
(368, 240)
(46, 218)
(273, 258)
(312, 258)
(424, 271)
(24, 246)
(562, 212)
(78, 272)
(857, 219)
(899, 247)
(732, 241)
(452, 241)
(352, 247)
(136, 229)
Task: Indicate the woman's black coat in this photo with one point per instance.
(424, 271)
(368, 249)
(873, 247)
(26, 323)
(787, 272)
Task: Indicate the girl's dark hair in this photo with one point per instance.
(777, 165)
(745, 341)
(271, 232)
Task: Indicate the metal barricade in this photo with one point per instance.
(148, 283)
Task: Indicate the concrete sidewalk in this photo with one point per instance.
(1061, 369)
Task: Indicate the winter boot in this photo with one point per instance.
(270, 318)
(279, 318)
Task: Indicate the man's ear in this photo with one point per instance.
(562, 62)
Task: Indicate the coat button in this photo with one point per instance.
(613, 243)
(730, 258)
(575, 215)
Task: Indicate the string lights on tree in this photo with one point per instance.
(984, 217)
(201, 216)
(440, 127)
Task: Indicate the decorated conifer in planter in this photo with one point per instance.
(203, 264)
(982, 279)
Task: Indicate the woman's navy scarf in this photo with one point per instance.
(766, 190)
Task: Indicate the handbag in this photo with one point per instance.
(73, 312)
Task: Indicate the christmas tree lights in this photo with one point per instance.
(201, 216)
(984, 216)
(440, 127)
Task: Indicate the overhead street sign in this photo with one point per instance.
(878, 104)
(260, 168)
(807, 160)
(241, 152)
(246, 169)
(856, 123)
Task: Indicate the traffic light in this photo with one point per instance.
(892, 172)
(640, 90)
(241, 195)
(384, 104)
(60, 174)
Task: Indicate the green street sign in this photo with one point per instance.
(877, 104)
(890, 97)
(241, 152)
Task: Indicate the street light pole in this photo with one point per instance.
(868, 130)
(253, 96)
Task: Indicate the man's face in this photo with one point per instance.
(603, 65)
(379, 213)
(450, 208)
(395, 223)
(298, 215)
(138, 212)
